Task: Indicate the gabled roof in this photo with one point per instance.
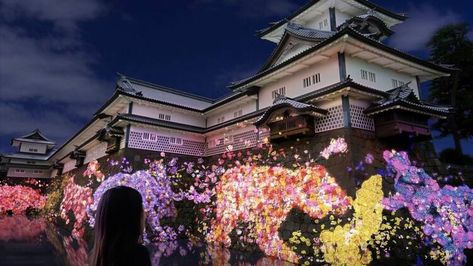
(299, 32)
(34, 136)
(366, 3)
(284, 102)
(353, 34)
(403, 97)
(30, 156)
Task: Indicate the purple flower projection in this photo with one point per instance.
(158, 198)
(446, 213)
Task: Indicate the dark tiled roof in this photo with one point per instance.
(313, 2)
(352, 33)
(35, 136)
(404, 97)
(301, 31)
(284, 102)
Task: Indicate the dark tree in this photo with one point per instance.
(450, 45)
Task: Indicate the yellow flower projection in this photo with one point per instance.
(348, 245)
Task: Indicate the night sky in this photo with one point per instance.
(59, 58)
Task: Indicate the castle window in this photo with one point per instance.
(221, 119)
(32, 150)
(314, 79)
(164, 117)
(279, 92)
(19, 170)
(175, 141)
(364, 74)
(37, 171)
(237, 113)
(307, 82)
(397, 83)
(325, 23)
(149, 136)
(372, 77)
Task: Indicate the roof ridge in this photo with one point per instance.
(165, 88)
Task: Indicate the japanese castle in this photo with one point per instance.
(330, 74)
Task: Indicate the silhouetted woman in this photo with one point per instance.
(119, 224)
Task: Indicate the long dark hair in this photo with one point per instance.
(118, 225)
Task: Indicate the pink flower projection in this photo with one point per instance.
(18, 199)
(20, 228)
(265, 195)
(93, 170)
(76, 199)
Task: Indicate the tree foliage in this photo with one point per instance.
(450, 45)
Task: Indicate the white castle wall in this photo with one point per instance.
(30, 147)
(69, 164)
(178, 116)
(95, 152)
(329, 74)
(384, 76)
(247, 106)
(28, 172)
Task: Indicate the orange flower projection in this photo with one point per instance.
(265, 195)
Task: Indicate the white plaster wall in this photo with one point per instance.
(30, 162)
(25, 146)
(314, 23)
(69, 164)
(95, 152)
(341, 17)
(171, 97)
(384, 76)
(28, 173)
(329, 74)
(246, 107)
(177, 116)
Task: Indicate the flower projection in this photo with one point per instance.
(18, 199)
(348, 244)
(280, 201)
(447, 212)
(93, 170)
(264, 196)
(76, 198)
(155, 189)
(20, 228)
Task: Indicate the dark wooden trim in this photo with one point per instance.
(130, 108)
(333, 19)
(346, 111)
(127, 135)
(342, 66)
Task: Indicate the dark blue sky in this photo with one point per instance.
(58, 58)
